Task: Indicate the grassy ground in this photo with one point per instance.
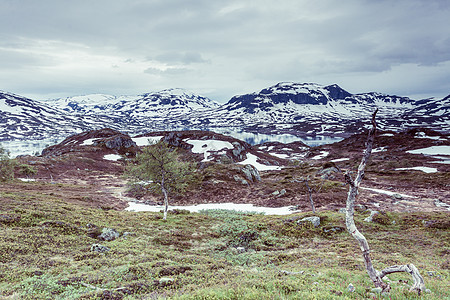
(45, 253)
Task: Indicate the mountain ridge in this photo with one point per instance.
(301, 109)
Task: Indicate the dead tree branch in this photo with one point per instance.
(374, 275)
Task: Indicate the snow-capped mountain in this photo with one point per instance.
(301, 109)
(88, 104)
(305, 109)
(23, 118)
(173, 102)
(170, 103)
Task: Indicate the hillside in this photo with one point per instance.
(50, 220)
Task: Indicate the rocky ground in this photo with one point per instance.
(88, 169)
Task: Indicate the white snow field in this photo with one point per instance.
(137, 207)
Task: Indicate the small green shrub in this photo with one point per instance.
(6, 166)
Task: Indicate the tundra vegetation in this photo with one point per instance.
(52, 248)
(45, 253)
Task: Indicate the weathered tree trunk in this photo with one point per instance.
(374, 275)
(166, 199)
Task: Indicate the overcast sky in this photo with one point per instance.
(220, 48)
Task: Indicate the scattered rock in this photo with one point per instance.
(397, 196)
(240, 180)
(108, 234)
(166, 281)
(251, 173)
(99, 248)
(333, 229)
(120, 142)
(372, 214)
(284, 272)
(328, 172)
(279, 193)
(377, 290)
(315, 221)
(238, 153)
(240, 249)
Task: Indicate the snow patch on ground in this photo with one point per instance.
(112, 157)
(146, 140)
(252, 160)
(206, 146)
(423, 135)
(433, 150)
(88, 142)
(137, 207)
(386, 192)
(322, 154)
(423, 169)
(340, 159)
(379, 149)
(280, 155)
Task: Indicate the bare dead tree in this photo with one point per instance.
(375, 276)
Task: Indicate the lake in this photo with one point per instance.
(33, 147)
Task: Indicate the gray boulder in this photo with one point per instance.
(99, 248)
(315, 221)
(238, 152)
(108, 234)
(251, 173)
(373, 213)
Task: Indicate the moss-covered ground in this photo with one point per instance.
(45, 253)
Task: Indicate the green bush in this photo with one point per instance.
(27, 170)
(6, 166)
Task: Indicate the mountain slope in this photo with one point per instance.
(305, 109)
(300, 109)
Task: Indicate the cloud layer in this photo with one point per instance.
(52, 48)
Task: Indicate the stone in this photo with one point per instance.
(99, 248)
(238, 152)
(108, 234)
(166, 281)
(377, 290)
(251, 173)
(372, 214)
(240, 249)
(333, 229)
(342, 210)
(240, 180)
(351, 288)
(397, 196)
(315, 221)
(328, 173)
(276, 193)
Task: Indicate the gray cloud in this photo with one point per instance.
(221, 48)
